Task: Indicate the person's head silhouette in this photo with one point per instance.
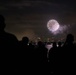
(25, 40)
(70, 38)
(2, 23)
(59, 44)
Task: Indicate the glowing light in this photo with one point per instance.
(53, 25)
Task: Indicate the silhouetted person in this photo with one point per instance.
(26, 58)
(41, 58)
(69, 55)
(8, 49)
(52, 58)
(58, 59)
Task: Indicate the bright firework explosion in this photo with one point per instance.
(55, 27)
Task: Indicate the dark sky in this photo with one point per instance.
(30, 17)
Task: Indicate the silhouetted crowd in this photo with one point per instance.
(24, 58)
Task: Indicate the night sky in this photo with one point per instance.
(30, 17)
